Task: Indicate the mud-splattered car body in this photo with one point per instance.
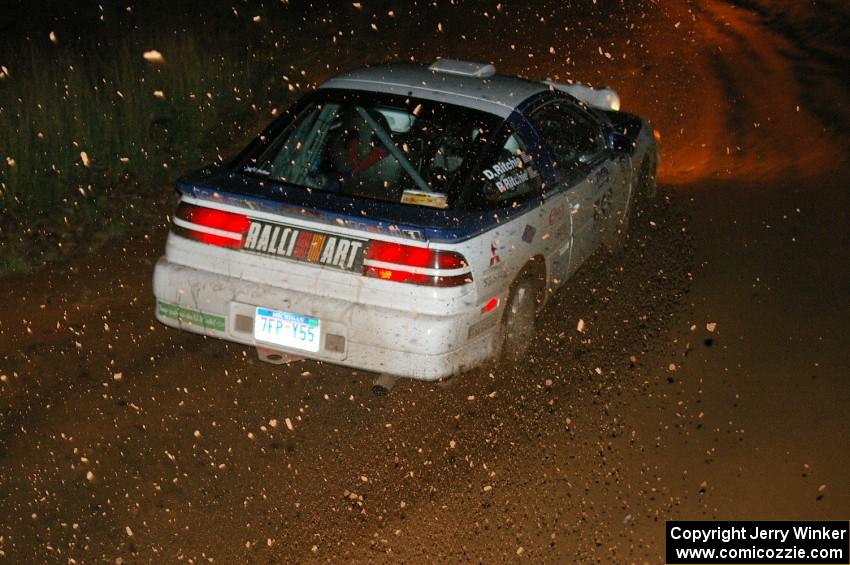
(404, 219)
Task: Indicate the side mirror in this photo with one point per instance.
(619, 143)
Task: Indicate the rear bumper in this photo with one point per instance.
(384, 339)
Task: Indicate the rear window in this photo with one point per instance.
(389, 148)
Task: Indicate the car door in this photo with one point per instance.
(507, 188)
(584, 176)
(613, 209)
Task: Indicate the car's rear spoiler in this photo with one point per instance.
(602, 98)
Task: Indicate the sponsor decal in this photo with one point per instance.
(409, 233)
(556, 214)
(420, 198)
(395, 230)
(257, 171)
(494, 257)
(528, 234)
(415, 235)
(327, 250)
(602, 208)
(495, 276)
(193, 317)
(601, 176)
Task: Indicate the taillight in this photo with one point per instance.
(415, 265)
(211, 226)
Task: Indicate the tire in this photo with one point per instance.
(518, 320)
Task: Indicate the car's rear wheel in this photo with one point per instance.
(518, 319)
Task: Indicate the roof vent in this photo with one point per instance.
(463, 68)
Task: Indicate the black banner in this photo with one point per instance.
(758, 542)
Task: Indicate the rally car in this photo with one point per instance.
(405, 219)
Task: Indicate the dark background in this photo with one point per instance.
(710, 381)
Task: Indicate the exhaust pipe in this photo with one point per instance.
(276, 357)
(384, 384)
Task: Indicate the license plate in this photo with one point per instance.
(287, 329)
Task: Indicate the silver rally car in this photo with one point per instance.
(404, 219)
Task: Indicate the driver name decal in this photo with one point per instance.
(503, 167)
(511, 173)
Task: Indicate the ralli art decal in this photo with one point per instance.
(308, 246)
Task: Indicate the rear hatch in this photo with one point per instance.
(250, 231)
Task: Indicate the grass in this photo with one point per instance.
(88, 134)
(92, 135)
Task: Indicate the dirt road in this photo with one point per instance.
(711, 380)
